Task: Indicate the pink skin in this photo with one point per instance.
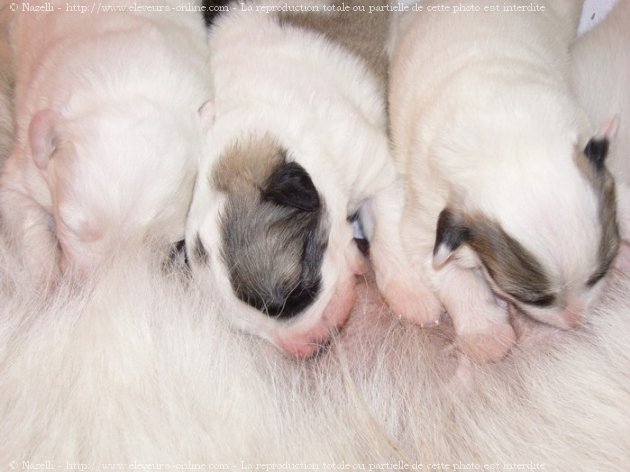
(307, 344)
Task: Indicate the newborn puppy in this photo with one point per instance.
(298, 143)
(108, 131)
(507, 193)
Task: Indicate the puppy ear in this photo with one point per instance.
(42, 136)
(206, 115)
(451, 233)
(596, 149)
(290, 185)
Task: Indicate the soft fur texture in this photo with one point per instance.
(106, 149)
(140, 366)
(298, 144)
(499, 194)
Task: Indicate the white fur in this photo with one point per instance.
(108, 136)
(321, 104)
(483, 119)
(140, 367)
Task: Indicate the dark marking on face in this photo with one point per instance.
(596, 151)
(199, 251)
(290, 185)
(609, 244)
(510, 265)
(602, 183)
(450, 232)
(273, 226)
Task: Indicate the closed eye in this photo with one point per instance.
(596, 278)
(539, 301)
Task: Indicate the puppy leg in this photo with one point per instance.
(401, 284)
(483, 330)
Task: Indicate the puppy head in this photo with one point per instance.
(116, 175)
(549, 262)
(262, 233)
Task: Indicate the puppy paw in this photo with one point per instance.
(418, 305)
(489, 345)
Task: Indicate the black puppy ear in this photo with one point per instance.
(450, 234)
(290, 185)
(596, 151)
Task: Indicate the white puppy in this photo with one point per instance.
(108, 129)
(298, 144)
(505, 194)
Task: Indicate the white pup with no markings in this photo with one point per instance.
(507, 193)
(108, 132)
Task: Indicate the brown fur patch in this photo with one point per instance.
(362, 33)
(509, 263)
(603, 184)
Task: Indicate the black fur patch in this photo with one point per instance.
(450, 232)
(290, 185)
(596, 151)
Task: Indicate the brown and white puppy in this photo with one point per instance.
(507, 193)
(108, 132)
(298, 143)
(599, 59)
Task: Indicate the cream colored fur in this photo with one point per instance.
(140, 367)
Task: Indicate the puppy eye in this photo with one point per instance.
(596, 278)
(539, 301)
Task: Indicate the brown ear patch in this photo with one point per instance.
(512, 267)
(591, 166)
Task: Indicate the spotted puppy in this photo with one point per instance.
(507, 193)
(298, 143)
(108, 131)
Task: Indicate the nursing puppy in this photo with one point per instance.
(507, 193)
(108, 131)
(298, 143)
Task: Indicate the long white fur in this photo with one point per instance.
(107, 129)
(492, 130)
(323, 106)
(140, 367)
